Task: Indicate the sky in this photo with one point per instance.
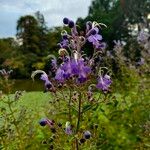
(53, 10)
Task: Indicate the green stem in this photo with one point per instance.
(78, 121)
(70, 119)
(77, 144)
(79, 113)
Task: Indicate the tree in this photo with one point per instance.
(136, 12)
(10, 57)
(33, 33)
(42, 33)
(118, 15)
(27, 28)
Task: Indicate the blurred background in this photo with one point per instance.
(30, 30)
(119, 119)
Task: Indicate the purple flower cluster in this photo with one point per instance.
(73, 68)
(73, 65)
(92, 35)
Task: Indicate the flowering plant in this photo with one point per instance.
(76, 83)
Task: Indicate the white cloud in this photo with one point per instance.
(53, 10)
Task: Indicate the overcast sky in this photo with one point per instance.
(54, 11)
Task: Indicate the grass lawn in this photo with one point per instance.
(36, 104)
(35, 100)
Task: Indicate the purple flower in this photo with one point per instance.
(64, 72)
(60, 75)
(80, 70)
(64, 43)
(44, 77)
(82, 77)
(68, 129)
(74, 67)
(54, 65)
(94, 37)
(104, 83)
(48, 84)
(67, 69)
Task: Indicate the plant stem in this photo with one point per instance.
(77, 144)
(78, 121)
(70, 119)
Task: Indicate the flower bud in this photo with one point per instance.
(65, 37)
(82, 140)
(87, 134)
(66, 21)
(89, 25)
(48, 86)
(71, 24)
(43, 122)
(93, 32)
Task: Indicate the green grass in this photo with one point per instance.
(119, 121)
(36, 102)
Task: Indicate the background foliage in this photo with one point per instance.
(34, 39)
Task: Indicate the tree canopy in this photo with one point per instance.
(35, 40)
(119, 16)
